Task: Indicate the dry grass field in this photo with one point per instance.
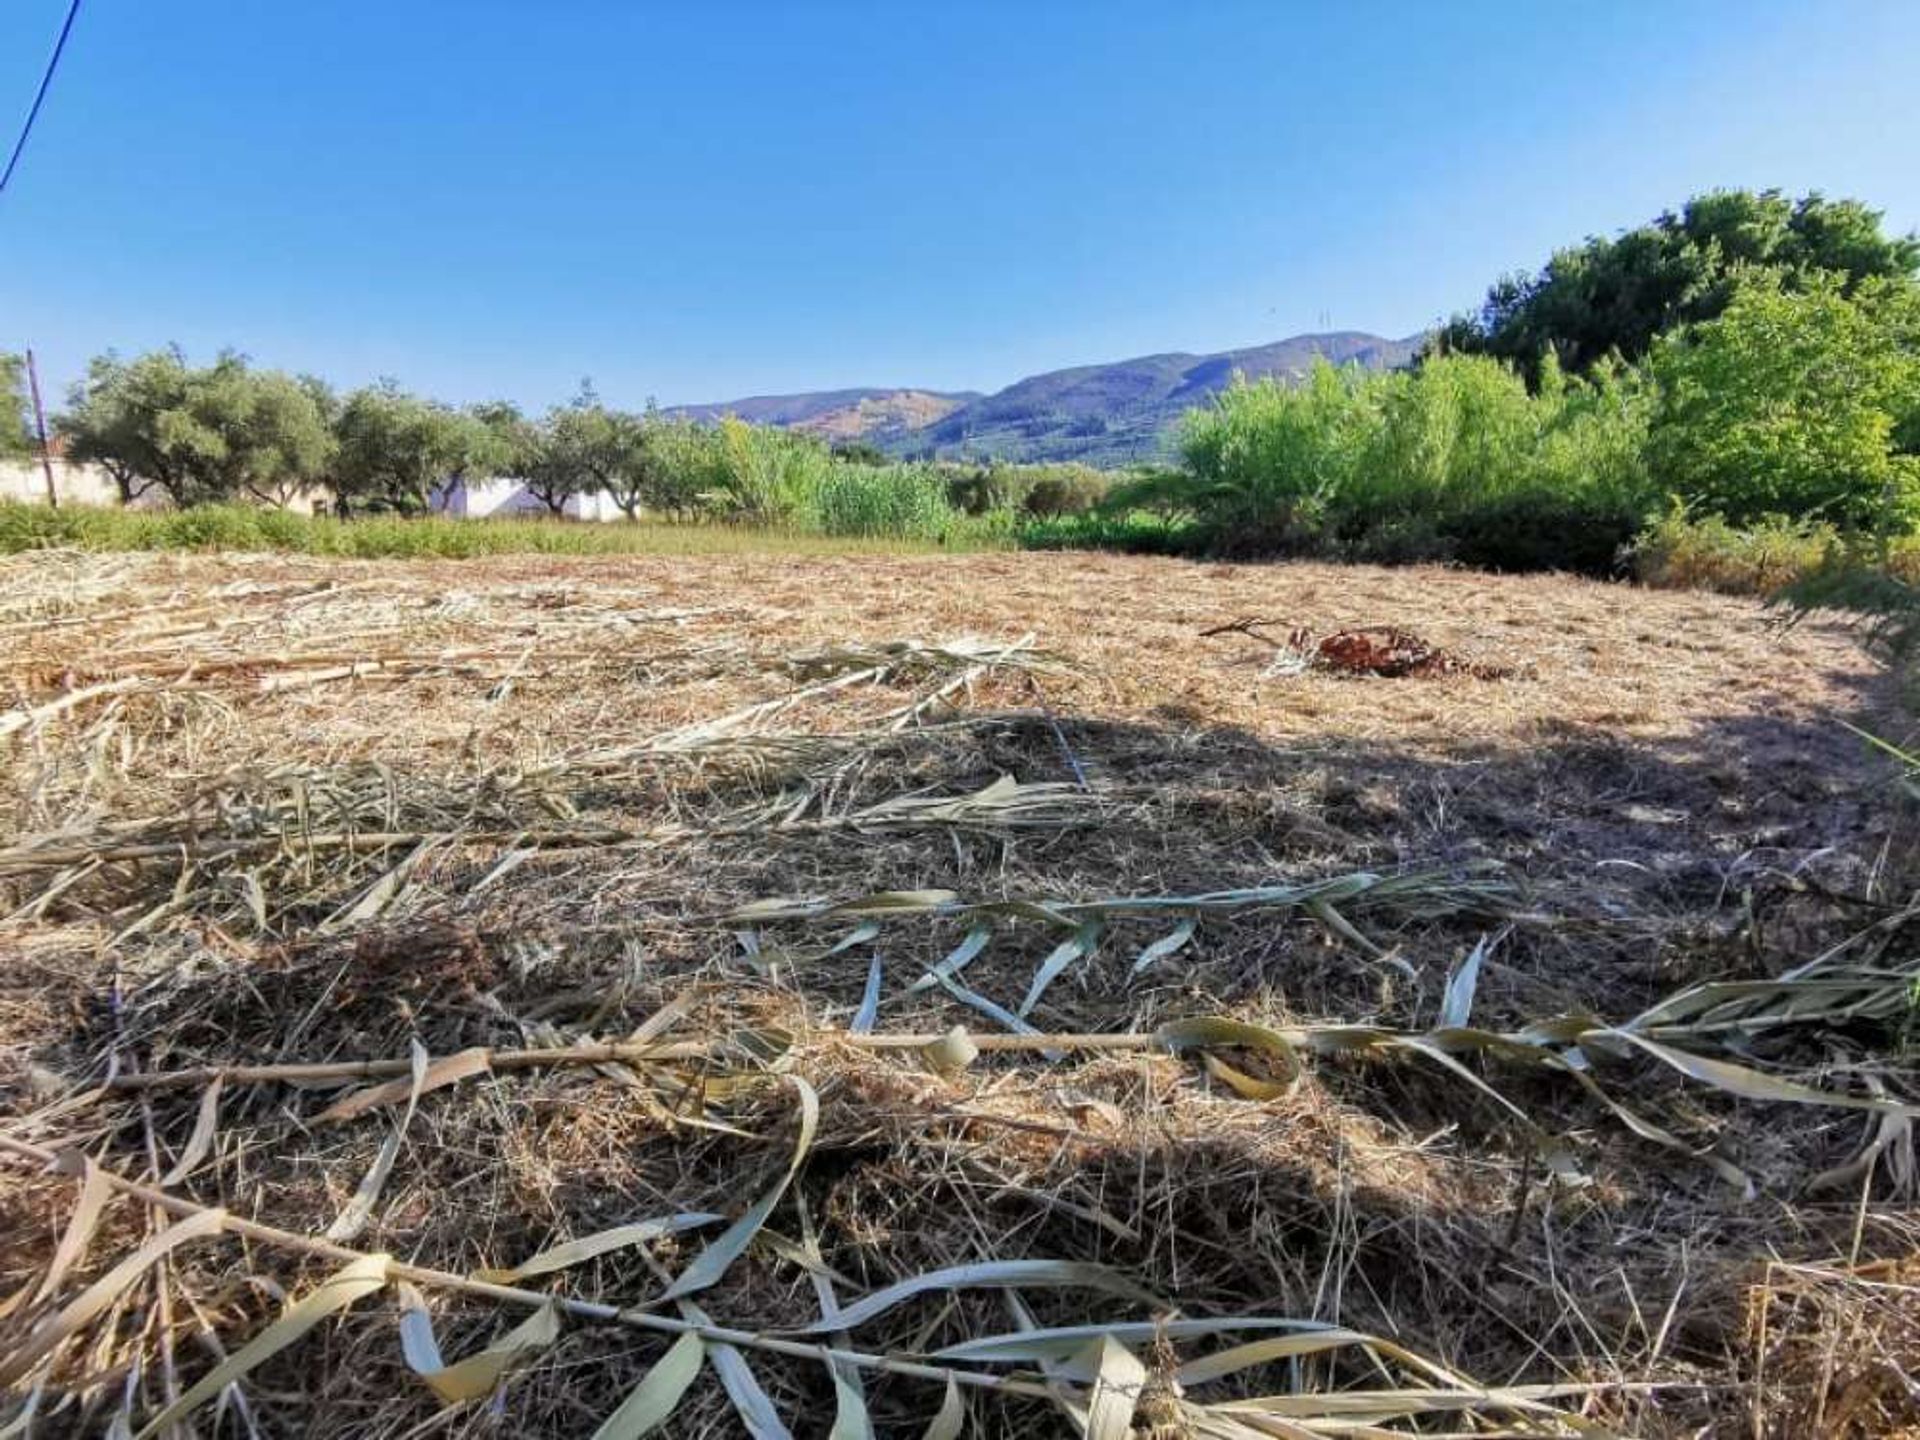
(1013, 1006)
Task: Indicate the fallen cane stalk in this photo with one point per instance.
(612, 1053)
(279, 1239)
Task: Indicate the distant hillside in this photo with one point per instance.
(876, 415)
(1111, 414)
(1103, 414)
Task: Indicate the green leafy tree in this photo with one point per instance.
(1794, 402)
(582, 447)
(395, 449)
(16, 440)
(673, 467)
(1612, 297)
(516, 439)
(199, 435)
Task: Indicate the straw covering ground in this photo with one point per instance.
(990, 995)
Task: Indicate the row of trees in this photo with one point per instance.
(226, 431)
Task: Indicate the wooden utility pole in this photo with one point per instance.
(40, 426)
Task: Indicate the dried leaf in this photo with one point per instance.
(1210, 1033)
(859, 935)
(711, 1263)
(1248, 1087)
(354, 1281)
(206, 1126)
(993, 1010)
(1077, 946)
(869, 1011)
(1168, 944)
(95, 1191)
(602, 1242)
(358, 1210)
(1029, 1347)
(957, 960)
(952, 1052)
(1751, 1084)
(990, 1274)
(951, 1419)
(651, 1403)
(52, 1332)
(380, 895)
(1456, 1002)
(448, 1070)
(750, 1401)
(480, 1372)
(850, 1418)
(1118, 1377)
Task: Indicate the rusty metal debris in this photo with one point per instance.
(1380, 650)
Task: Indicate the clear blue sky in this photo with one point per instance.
(702, 201)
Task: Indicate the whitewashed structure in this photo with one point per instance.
(503, 497)
(73, 484)
(500, 498)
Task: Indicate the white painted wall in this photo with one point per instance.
(74, 484)
(503, 496)
(91, 485)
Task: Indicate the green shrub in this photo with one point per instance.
(1057, 490)
(1456, 461)
(1267, 458)
(1541, 529)
(1681, 551)
(1160, 490)
(1037, 491)
(1794, 403)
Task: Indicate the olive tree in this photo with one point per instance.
(585, 447)
(200, 435)
(396, 448)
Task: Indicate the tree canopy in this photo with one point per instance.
(15, 438)
(396, 447)
(199, 434)
(1794, 402)
(1615, 296)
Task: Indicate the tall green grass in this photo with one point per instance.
(1454, 461)
(900, 501)
(238, 527)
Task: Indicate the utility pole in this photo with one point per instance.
(40, 426)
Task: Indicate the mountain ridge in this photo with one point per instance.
(1105, 413)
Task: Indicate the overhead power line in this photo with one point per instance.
(40, 95)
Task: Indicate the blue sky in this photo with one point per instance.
(702, 201)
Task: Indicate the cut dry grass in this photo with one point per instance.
(397, 1036)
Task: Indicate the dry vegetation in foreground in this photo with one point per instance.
(899, 994)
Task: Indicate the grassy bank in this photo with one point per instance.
(240, 527)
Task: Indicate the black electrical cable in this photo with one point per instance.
(39, 98)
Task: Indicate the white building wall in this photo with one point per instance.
(73, 484)
(503, 497)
